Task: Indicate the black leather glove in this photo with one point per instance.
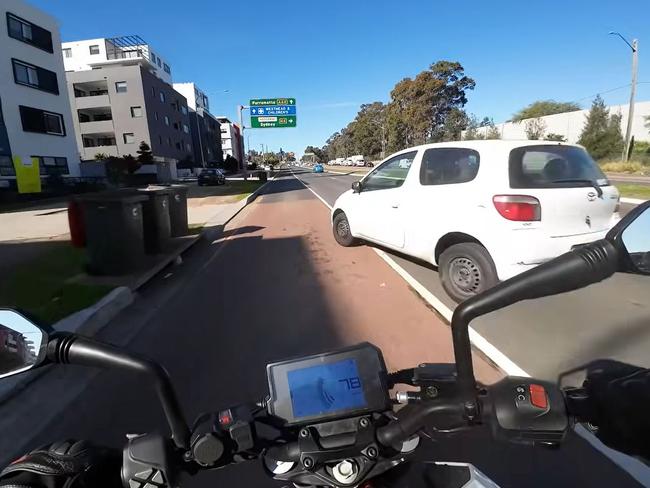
(619, 395)
(67, 464)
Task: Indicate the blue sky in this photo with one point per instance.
(334, 55)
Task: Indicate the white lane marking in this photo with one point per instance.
(482, 344)
(633, 201)
(317, 195)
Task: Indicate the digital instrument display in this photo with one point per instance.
(326, 388)
(342, 383)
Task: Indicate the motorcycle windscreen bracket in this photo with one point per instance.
(342, 383)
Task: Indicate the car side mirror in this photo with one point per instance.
(633, 241)
(357, 186)
(22, 343)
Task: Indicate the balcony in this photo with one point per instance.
(94, 127)
(91, 94)
(99, 142)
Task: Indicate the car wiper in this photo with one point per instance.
(592, 183)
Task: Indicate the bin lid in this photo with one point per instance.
(113, 197)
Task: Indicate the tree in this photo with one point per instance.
(320, 156)
(101, 156)
(551, 136)
(145, 156)
(541, 108)
(493, 132)
(535, 129)
(455, 123)
(601, 134)
(118, 168)
(473, 133)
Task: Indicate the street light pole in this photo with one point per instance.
(630, 114)
(243, 155)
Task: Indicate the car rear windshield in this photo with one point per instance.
(547, 166)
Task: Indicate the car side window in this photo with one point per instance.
(448, 165)
(391, 174)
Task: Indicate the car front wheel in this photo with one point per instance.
(466, 269)
(341, 230)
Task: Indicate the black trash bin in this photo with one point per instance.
(114, 232)
(178, 210)
(156, 224)
(262, 176)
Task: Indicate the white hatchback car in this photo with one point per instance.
(481, 211)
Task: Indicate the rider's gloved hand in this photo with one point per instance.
(67, 464)
(619, 395)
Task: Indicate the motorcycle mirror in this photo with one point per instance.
(22, 343)
(578, 268)
(634, 242)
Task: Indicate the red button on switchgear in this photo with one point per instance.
(538, 396)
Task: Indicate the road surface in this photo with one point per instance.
(274, 285)
(548, 336)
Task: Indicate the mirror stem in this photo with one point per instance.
(72, 349)
(575, 269)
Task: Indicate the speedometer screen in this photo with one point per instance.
(326, 388)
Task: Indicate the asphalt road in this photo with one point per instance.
(548, 336)
(273, 285)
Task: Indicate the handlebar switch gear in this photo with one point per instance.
(527, 411)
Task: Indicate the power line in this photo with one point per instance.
(609, 91)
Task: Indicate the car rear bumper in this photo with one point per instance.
(528, 249)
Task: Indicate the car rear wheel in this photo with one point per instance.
(465, 270)
(341, 229)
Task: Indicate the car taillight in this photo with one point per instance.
(521, 208)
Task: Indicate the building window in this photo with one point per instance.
(169, 141)
(94, 49)
(186, 129)
(52, 166)
(166, 120)
(155, 115)
(160, 140)
(136, 111)
(35, 77)
(120, 86)
(159, 62)
(25, 31)
(129, 138)
(37, 120)
(153, 57)
(7, 166)
(184, 109)
(167, 69)
(162, 96)
(176, 126)
(67, 52)
(189, 148)
(178, 146)
(153, 91)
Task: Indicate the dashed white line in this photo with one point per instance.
(482, 344)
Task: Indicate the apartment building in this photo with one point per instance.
(205, 129)
(36, 125)
(232, 142)
(117, 105)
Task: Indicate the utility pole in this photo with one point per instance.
(241, 128)
(630, 114)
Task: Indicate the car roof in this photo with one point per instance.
(495, 144)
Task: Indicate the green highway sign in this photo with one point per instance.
(272, 101)
(272, 121)
(270, 113)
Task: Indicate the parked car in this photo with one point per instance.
(369, 164)
(211, 176)
(318, 168)
(481, 211)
